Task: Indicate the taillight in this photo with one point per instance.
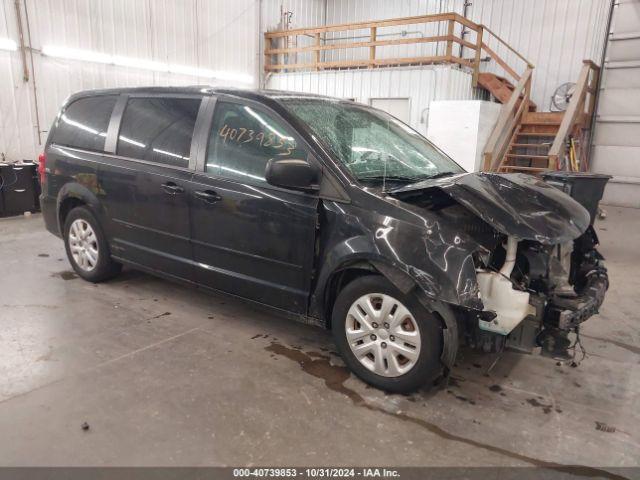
(42, 165)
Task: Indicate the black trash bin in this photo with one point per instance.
(584, 187)
(19, 188)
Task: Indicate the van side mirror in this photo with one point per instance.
(292, 173)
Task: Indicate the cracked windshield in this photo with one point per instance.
(376, 147)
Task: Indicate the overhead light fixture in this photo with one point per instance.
(97, 57)
(8, 44)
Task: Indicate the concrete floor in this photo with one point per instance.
(167, 375)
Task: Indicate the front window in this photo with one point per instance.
(373, 145)
(243, 139)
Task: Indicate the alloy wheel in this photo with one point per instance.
(83, 244)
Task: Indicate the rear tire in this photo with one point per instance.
(87, 247)
(385, 337)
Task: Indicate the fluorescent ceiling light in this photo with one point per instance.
(96, 57)
(8, 44)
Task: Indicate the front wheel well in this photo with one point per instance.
(66, 206)
(340, 279)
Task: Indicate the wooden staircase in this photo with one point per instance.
(499, 87)
(527, 141)
(528, 149)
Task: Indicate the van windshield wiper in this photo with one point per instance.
(406, 180)
(392, 178)
(440, 175)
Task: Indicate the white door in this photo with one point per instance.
(398, 107)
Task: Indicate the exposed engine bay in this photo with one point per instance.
(537, 294)
(539, 275)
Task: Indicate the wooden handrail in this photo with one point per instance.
(507, 122)
(513, 50)
(578, 114)
(375, 43)
(341, 27)
(273, 52)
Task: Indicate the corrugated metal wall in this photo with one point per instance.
(555, 35)
(419, 85)
(341, 11)
(305, 13)
(218, 35)
(616, 145)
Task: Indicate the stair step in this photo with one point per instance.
(542, 118)
(532, 145)
(536, 134)
(514, 155)
(523, 169)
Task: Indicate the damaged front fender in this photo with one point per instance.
(437, 260)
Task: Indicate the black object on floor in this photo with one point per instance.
(584, 187)
(19, 188)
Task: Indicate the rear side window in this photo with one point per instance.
(84, 123)
(243, 139)
(158, 129)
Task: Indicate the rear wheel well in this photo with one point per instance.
(340, 279)
(66, 206)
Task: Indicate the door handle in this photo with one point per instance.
(171, 188)
(208, 196)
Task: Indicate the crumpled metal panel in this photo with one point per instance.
(514, 204)
(434, 251)
(435, 256)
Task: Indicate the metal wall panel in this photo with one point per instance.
(218, 35)
(420, 85)
(345, 11)
(616, 144)
(555, 35)
(289, 14)
(305, 13)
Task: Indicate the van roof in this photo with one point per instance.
(253, 94)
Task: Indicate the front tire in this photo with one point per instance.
(385, 337)
(87, 247)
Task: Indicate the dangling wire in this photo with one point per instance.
(577, 344)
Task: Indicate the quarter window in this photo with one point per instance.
(243, 139)
(158, 129)
(84, 123)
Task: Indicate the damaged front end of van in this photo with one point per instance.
(520, 255)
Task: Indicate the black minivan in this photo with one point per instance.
(329, 211)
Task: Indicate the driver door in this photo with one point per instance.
(250, 238)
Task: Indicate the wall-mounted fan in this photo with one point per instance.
(562, 96)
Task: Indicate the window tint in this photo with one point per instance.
(158, 129)
(243, 139)
(84, 123)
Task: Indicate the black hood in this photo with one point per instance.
(514, 204)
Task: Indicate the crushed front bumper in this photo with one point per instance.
(566, 313)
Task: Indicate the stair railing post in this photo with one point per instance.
(507, 120)
(450, 39)
(372, 48)
(569, 118)
(268, 43)
(476, 61)
(316, 52)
